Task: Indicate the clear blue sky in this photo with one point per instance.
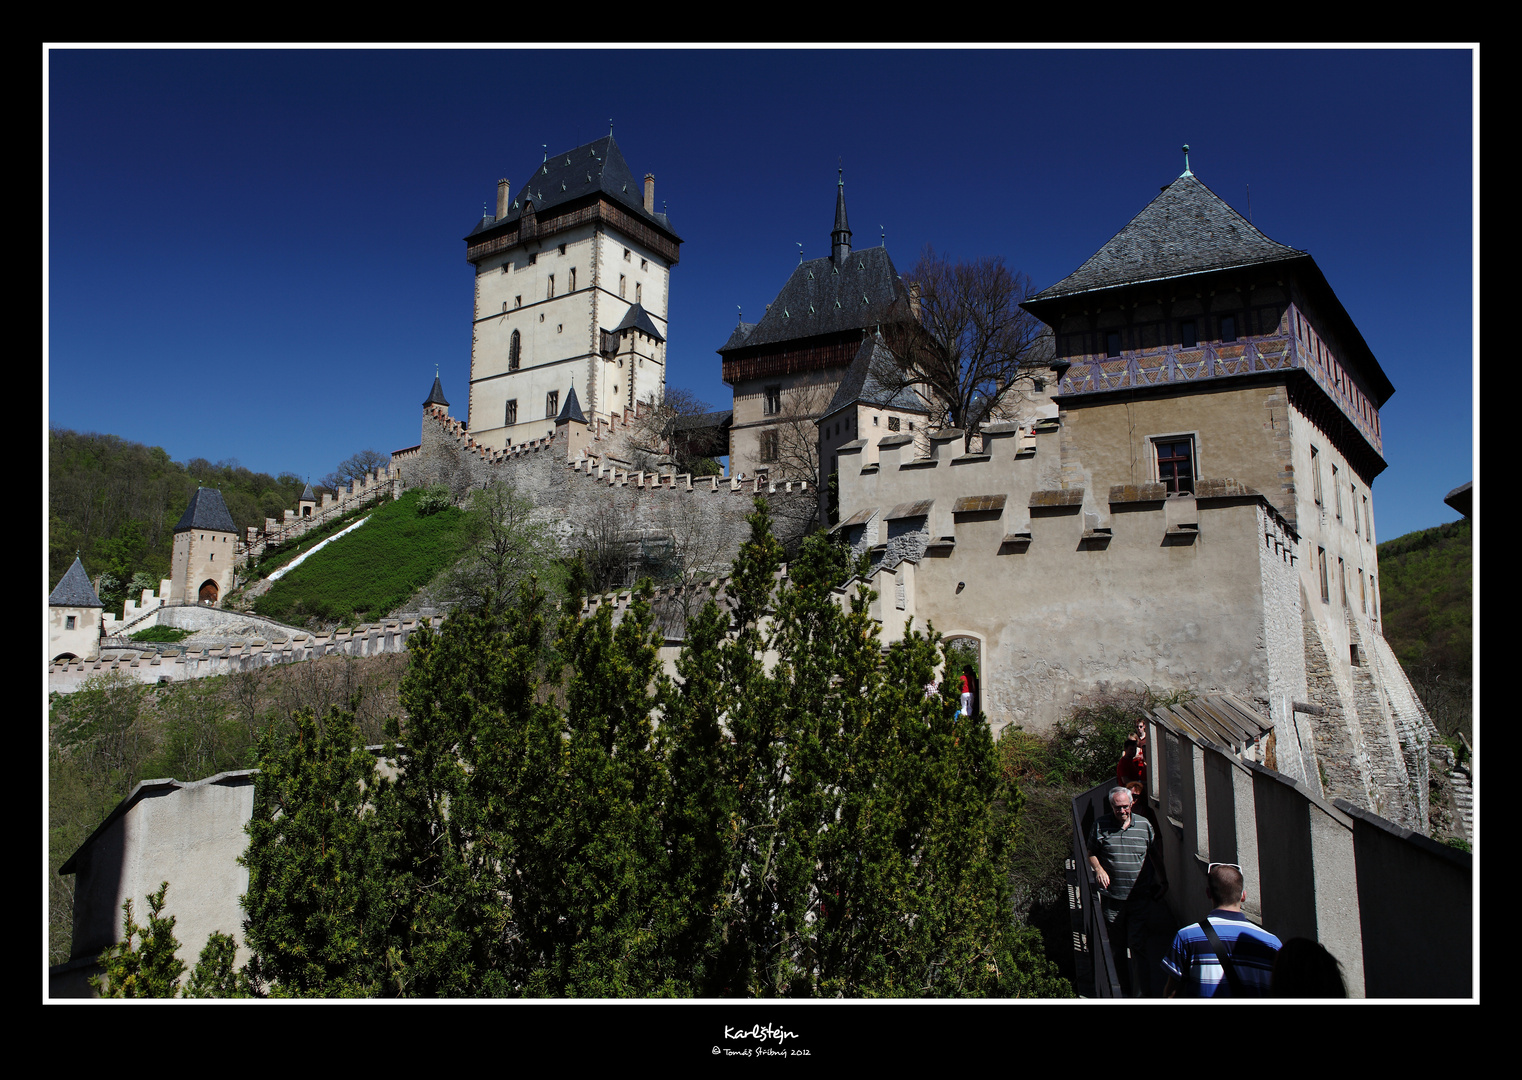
(258, 254)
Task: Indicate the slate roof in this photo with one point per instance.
(436, 395)
(207, 511)
(637, 318)
(738, 338)
(863, 381)
(75, 589)
(821, 298)
(571, 410)
(595, 167)
(307, 495)
(1187, 229)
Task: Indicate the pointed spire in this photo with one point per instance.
(840, 238)
(571, 410)
(75, 590)
(436, 395)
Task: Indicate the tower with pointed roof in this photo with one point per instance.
(786, 369)
(205, 540)
(572, 280)
(74, 612)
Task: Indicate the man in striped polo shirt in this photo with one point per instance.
(1119, 845)
(1195, 969)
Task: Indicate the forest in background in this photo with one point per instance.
(1426, 593)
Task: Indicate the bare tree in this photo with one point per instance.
(354, 468)
(680, 431)
(797, 429)
(504, 547)
(971, 343)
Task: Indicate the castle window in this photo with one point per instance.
(1367, 532)
(68, 622)
(892, 423)
(514, 352)
(622, 285)
(768, 446)
(534, 258)
(1112, 343)
(1316, 474)
(626, 254)
(874, 421)
(1187, 336)
(512, 413)
(639, 292)
(773, 401)
(551, 294)
(573, 279)
(1228, 328)
(1353, 497)
(552, 403)
(1326, 592)
(517, 301)
(1363, 597)
(1342, 581)
(562, 249)
(1336, 493)
(1175, 464)
(644, 265)
(507, 266)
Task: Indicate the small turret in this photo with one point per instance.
(840, 238)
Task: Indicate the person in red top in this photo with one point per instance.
(966, 693)
(1132, 765)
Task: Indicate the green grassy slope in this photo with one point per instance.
(1427, 607)
(371, 570)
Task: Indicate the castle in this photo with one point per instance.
(1183, 501)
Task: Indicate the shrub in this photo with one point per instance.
(431, 500)
(165, 634)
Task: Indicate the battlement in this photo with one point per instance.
(150, 666)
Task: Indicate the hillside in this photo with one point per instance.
(116, 502)
(1427, 607)
(372, 570)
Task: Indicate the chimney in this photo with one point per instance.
(502, 198)
(649, 193)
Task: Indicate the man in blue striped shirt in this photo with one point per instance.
(1194, 969)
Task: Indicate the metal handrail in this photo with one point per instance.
(1094, 962)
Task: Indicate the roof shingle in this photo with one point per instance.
(1185, 230)
(75, 590)
(207, 510)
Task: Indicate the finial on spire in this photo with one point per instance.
(800, 252)
(546, 152)
(739, 315)
(884, 231)
(1186, 161)
(610, 127)
(841, 169)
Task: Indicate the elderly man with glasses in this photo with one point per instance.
(1222, 955)
(1119, 848)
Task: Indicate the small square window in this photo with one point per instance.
(507, 267)
(874, 421)
(644, 265)
(626, 254)
(534, 258)
(562, 249)
(68, 622)
(1175, 464)
(552, 403)
(773, 402)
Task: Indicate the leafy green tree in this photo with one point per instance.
(214, 975)
(315, 907)
(143, 963)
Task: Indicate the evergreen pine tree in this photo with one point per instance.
(148, 968)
